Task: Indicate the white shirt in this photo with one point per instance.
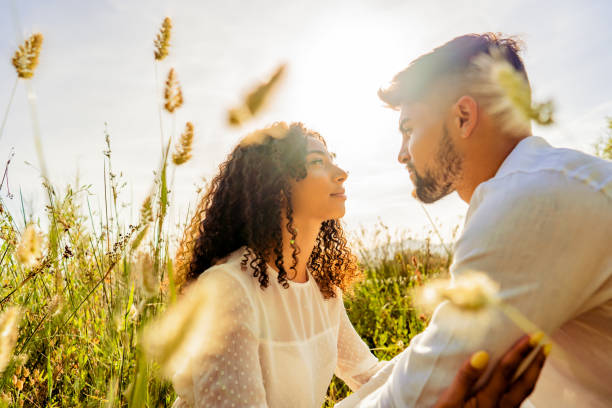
(544, 221)
(275, 347)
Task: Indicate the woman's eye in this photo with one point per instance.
(316, 162)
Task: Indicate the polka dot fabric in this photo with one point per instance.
(270, 348)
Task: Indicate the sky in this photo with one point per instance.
(97, 72)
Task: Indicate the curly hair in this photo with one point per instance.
(243, 206)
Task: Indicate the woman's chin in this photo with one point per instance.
(338, 214)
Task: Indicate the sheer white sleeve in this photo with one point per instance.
(356, 364)
(225, 370)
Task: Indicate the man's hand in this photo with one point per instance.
(500, 390)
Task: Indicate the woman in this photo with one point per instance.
(267, 246)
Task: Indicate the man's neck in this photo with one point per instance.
(483, 162)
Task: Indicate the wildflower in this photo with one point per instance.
(507, 94)
(9, 331)
(277, 131)
(183, 148)
(173, 93)
(29, 250)
(25, 59)
(470, 291)
(256, 99)
(162, 40)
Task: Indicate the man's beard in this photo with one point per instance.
(440, 181)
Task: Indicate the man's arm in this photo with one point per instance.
(526, 234)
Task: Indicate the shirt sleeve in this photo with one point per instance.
(356, 364)
(526, 235)
(223, 369)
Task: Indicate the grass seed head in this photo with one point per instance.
(9, 332)
(173, 94)
(470, 291)
(29, 250)
(278, 130)
(162, 40)
(506, 93)
(25, 59)
(256, 99)
(183, 148)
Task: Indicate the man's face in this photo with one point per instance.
(428, 151)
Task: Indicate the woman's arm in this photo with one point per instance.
(356, 364)
(223, 367)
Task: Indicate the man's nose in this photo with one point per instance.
(404, 156)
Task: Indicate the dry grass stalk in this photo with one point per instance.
(173, 93)
(25, 59)
(146, 218)
(146, 211)
(183, 148)
(162, 40)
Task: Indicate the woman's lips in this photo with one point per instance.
(340, 194)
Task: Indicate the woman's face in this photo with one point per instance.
(320, 195)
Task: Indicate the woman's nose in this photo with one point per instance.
(341, 175)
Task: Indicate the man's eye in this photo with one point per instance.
(407, 131)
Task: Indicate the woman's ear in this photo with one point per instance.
(466, 115)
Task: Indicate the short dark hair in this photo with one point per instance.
(452, 59)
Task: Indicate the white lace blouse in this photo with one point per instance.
(275, 347)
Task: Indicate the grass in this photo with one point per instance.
(83, 306)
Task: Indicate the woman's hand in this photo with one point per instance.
(499, 390)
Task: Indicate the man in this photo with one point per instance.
(539, 223)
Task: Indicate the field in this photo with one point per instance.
(78, 285)
(83, 304)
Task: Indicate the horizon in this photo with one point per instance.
(338, 55)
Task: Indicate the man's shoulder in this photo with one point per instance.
(535, 167)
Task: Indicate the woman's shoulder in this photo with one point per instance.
(228, 272)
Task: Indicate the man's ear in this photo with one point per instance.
(465, 111)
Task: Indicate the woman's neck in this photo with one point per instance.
(307, 231)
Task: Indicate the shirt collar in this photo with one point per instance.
(522, 153)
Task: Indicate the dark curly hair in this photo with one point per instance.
(243, 206)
